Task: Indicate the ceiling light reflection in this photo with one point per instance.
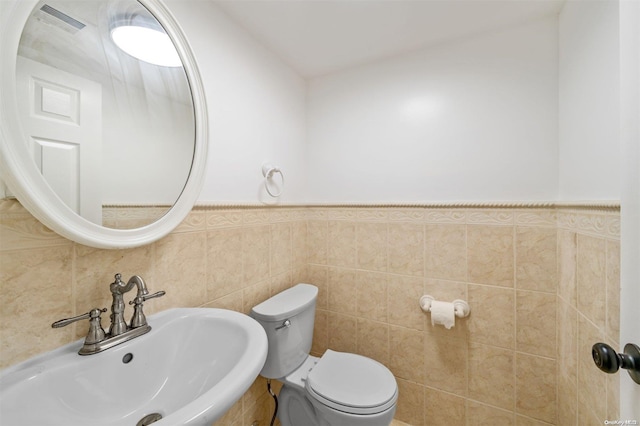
(147, 44)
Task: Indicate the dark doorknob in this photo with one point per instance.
(609, 361)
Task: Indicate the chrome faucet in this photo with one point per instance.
(97, 340)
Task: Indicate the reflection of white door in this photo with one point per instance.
(62, 116)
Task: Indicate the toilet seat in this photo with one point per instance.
(352, 383)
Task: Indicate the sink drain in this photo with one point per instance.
(149, 418)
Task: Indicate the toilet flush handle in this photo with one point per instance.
(285, 324)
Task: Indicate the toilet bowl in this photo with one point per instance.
(336, 389)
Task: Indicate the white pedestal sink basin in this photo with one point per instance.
(190, 369)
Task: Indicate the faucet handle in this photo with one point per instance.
(94, 313)
(154, 295)
(95, 334)
(139, 319)
(140, 299)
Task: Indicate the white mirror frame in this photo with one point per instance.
(18, 169)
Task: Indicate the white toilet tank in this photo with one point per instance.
(288, 319)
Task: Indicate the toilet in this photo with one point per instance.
(337, 389)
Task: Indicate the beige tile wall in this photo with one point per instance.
(372, 266)
(533, 278)
(217, 257)
(588, 312)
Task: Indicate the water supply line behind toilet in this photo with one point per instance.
(275, 399)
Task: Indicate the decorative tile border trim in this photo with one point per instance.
(9, 205)
(600, 219)
(136, 206)
(598, 224)
(578, 205)
(597, 218)
(536, 217)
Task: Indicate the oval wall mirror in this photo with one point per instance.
(103, 142)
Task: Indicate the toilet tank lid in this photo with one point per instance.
(286, 304)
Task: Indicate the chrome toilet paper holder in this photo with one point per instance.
(460, 307)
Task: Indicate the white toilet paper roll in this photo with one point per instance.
(443, 313)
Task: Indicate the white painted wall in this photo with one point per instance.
(589, 78)
(256, 107)
(474, 119)
(146, 150)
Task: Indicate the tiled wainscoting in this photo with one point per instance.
(543, 285)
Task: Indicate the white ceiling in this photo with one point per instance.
(317, 37)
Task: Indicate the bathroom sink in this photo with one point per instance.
(192, 366)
